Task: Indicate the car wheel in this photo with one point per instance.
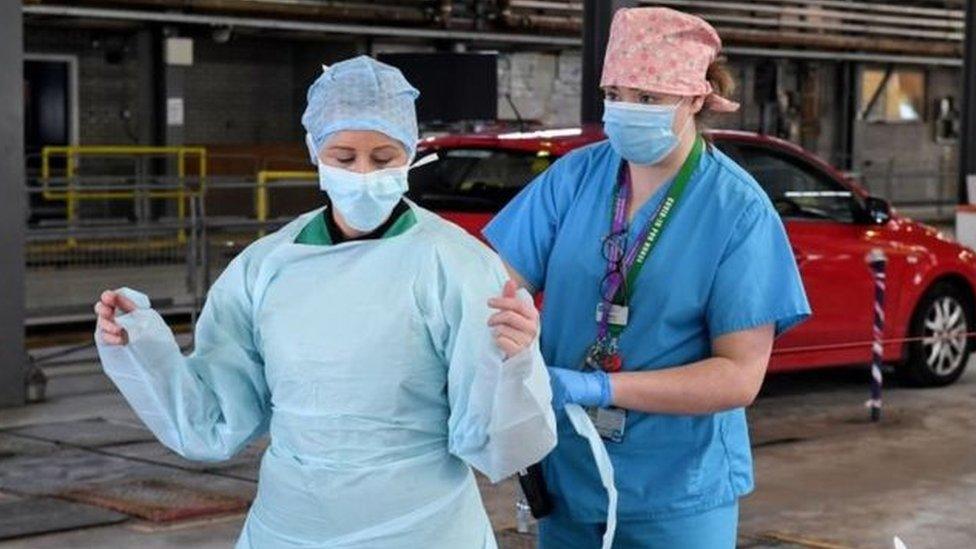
(939, 355)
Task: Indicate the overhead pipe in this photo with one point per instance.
(839, 4)
(830, 26)
(286, 25)
(512, 14)
(547, 5)
(877, 7)
(932, 22)
(568, 25)
(511, 18)
(352, 11)
(836, 42)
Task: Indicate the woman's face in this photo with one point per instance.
(686, 108)
(363, 151)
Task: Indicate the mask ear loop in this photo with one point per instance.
(688, 121)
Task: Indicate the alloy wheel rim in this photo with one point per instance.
(944, 336)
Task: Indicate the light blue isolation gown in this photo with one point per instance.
(372, 366)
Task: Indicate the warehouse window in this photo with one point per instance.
(892, 95)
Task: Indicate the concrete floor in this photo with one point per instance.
(825, 477)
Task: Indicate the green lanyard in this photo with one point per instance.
(637, 256)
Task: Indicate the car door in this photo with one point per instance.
(468, 186)
(830, 243)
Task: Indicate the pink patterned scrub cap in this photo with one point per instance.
(665, 51)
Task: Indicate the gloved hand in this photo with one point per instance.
(583, 388)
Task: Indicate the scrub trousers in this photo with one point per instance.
(713, 529)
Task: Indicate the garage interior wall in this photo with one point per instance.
(245, 92)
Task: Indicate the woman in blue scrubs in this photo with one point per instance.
(667, 275)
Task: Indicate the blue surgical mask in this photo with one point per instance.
(365, 200)
(641, 134)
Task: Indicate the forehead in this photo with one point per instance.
(362, 139)
(636, 91)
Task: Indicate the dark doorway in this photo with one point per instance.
(47, 116)
(46, 97)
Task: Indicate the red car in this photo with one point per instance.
(832, 223)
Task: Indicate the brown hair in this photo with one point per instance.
(723, 85)
(718, 75)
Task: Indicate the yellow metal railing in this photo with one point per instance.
(261, 200)
(73, 195)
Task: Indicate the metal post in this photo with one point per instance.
(846, 98)
(147, 105)
(193, 257)
(204, 243)
(597, 15)
(173, 95)
(877, 261)
(967, 141)
(942, 184)
(13, 206)
(889, 176)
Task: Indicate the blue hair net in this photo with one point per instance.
(360, 94)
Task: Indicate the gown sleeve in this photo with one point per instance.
(501, 418)
(206, 406)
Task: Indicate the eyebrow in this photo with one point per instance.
(353, 149)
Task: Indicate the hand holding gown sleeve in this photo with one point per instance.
(501, 418)
(206, 406)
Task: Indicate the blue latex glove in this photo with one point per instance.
(583, 388)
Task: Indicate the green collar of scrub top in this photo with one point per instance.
(316, 232)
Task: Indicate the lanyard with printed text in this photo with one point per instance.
(618, 286)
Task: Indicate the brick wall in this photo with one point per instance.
(544, 87)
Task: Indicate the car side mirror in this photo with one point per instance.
(877, 210)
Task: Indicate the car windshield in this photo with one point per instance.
(474, 180)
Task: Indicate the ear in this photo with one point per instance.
(697, 103)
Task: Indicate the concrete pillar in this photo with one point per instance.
(147, 111)
(597, 15)
(13, 206)
(967, 141)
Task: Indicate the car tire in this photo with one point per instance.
(945, 310)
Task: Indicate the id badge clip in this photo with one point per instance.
(610, 423)
(619, 314)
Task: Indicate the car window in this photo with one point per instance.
(474, 180)
(797, 189)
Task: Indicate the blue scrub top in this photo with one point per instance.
(724, 264)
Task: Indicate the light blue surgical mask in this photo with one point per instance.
(641, 134)
(365, 200)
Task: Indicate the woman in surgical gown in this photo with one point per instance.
(358, 336)
(685, 325)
